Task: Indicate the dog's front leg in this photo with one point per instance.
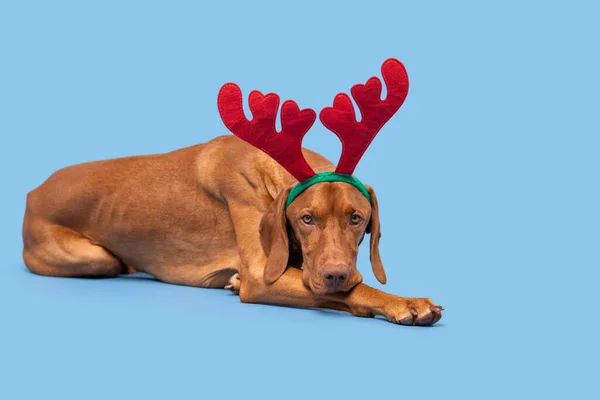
(363, 300)
(289, 289)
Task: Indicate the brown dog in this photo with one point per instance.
(193, 217)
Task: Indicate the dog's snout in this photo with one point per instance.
(336, 275)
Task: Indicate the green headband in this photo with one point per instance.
(326, 177)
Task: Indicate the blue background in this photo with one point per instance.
(487, 179)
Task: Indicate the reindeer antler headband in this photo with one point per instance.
(285, 147)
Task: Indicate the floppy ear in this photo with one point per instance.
(274, 238)
(374, 229)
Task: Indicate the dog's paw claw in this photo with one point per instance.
(436, 312)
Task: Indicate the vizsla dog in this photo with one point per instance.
(218, 215)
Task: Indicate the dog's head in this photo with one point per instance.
(321, 231)
(324, 225)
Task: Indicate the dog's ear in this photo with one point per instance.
(374, 229)
(274, 238)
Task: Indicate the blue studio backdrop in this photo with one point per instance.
(488, 182)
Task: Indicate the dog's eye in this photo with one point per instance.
(307, 219)
(355, 219)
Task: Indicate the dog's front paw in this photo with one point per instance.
(415, 311)
(234, 284)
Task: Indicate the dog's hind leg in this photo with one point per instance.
(219, 278)
(54, 250)
(209, 276)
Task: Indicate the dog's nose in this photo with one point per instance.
(336, 274)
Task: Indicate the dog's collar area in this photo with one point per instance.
(328, 176)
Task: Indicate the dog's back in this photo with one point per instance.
(142, 209)
(149, 212)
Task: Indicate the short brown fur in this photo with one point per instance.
(213, 215)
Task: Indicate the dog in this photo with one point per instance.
(218, 215)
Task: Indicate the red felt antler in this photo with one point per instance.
(284, 147)
(357, 136)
